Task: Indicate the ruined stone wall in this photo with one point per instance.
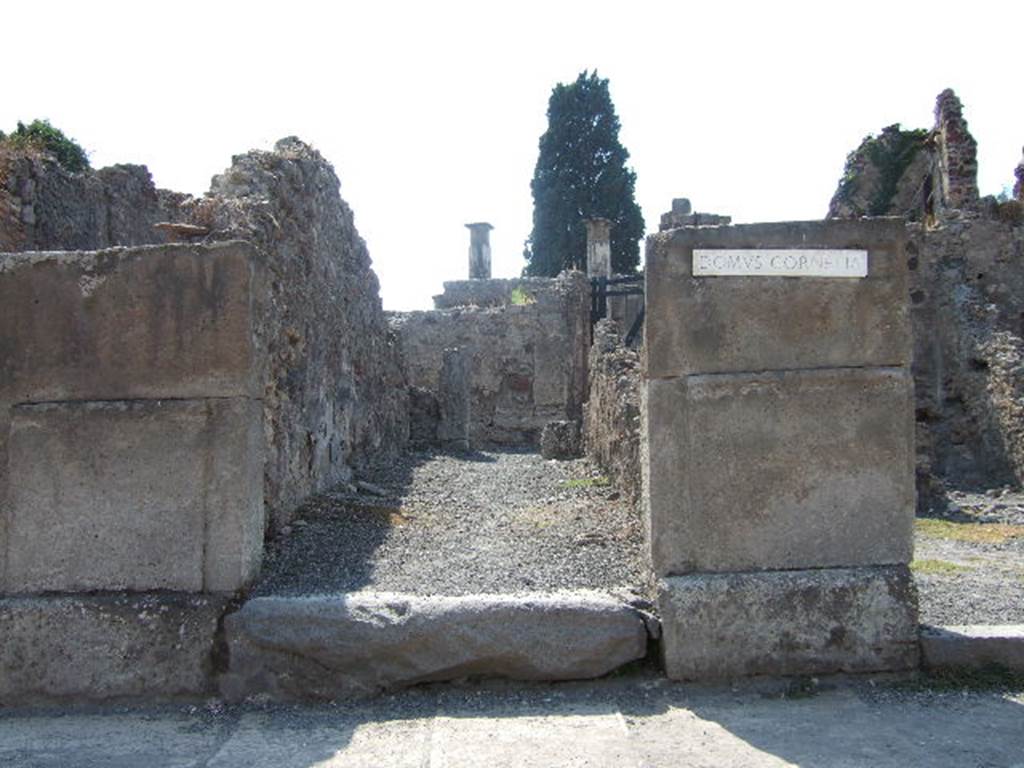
(43, 207)
(914, 173)
(496, 292)
(528, 360)
(131, 440)
(611, 419)
(966, 281)
(967, 311)
(335, 394)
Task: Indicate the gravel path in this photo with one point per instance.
(972, 582)
(492, 522)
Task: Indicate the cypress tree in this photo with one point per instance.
(581, 174)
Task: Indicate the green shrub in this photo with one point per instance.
(39, 134)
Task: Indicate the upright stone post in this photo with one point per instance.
(479, 250)
(453, 395)
(599, 247)
(778, 454)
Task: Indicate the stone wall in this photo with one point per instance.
(611, 419)
(528, 360)
(335, 393)
(917, 174)
(46, 208)
(967, 311)
(777, 454)
(131, 429)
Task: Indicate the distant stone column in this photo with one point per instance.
(599, 247)
(479, 250)
(453, 393)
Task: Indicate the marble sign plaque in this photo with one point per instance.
(780, 262)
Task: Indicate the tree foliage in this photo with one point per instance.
(39, 134)
(581, 174)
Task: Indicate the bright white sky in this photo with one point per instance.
(431, 111)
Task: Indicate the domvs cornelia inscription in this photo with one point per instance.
(780, 262)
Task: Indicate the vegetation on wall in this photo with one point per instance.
(890, 153)
(581, 173)
(42, 136)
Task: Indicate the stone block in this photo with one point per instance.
(96, 647)
(974, 646)
(330, 646)
(773, 470)
(148, 322)
(454, 392)
(737, 324)
(136, 495)
(561, 440)
(722, 626)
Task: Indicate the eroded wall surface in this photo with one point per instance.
(611, 419)
(334, 392)
(966, 292)
(777, 454)
(131, 441)
(528, 359)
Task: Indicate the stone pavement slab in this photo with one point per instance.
(636, 722)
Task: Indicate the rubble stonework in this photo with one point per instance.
(528, 359)
(965, 288)
(967, 301)
(611, 419)
(336, 393)
(682, 215)
(957, 154)
(44, 207)
(560, 440)
(913, 173)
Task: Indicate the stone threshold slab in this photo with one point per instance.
(973, 646)
(358, 643)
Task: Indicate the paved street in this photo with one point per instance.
(629, 722)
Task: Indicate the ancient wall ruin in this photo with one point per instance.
(778, 449)
(527, 343)
(44, 207)
(131, 436)
(611, 419)
(967, 312)
(334, 393)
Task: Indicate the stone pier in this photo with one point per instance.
(599, 247)
(453, 397)
(778, 455)
(479, 250)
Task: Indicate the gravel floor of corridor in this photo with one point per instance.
(969, 559)
(493, 521)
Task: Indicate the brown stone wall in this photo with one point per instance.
(334, 391)
(611, 419)
(528, 360)
(335, 394)
(967, 311)
(43, 207)
(957, 154)
(131, 430)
